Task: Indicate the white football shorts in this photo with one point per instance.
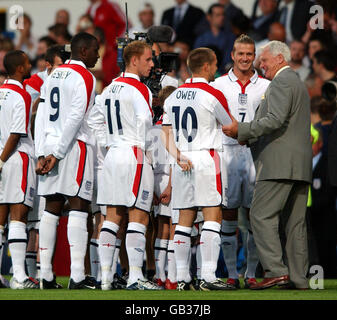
(240, 174)
(18, 180)
(73, 175)
(127, 179)
(203, 186)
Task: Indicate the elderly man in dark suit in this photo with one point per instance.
(279, 137)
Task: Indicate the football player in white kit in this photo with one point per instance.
(193, 115)
(33, 86)
(125, 114)
(67, 169)
(17, 167)
(243, 89)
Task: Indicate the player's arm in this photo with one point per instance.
(168, 140)
(96, 121)
(165, 197)
(76, 112)
(279, 104)
(19, 128)
(39, 135)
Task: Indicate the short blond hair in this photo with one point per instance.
(135, 48)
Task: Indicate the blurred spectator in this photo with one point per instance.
(297, 52)
(294, 15)
(262, 23)
(146, 19)
(241, 25)
(85, 24)
(108, 16)
(183, 18)
(62, 16)
(215, 36)
(232, 13)
(276, 32)
(183, 48)
(324, 65)
(59, 33)
(43, 44)
(40, 64)
(3, 77)
(326, 111)
(315, 104)
(6, 45)
(322, 213)
(25, 40)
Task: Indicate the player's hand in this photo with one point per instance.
(185, 163)
(50, 163)
(155, 200)
(41, 162)
(231, 130)
(165, 197)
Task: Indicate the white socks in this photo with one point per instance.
(47, 240)
(252, 257)
(229, 246)
(116, 256)
(94, 258)
(171, 263)
(78, 239)
(107, 243)
(182, 250)
(31, 263)
(160, 251)
(209, 249)
(135, 248)
(17, 243)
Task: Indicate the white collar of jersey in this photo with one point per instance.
(129, 75)
(234, 78)
(12, 81)
(194, 80)
(78, 62)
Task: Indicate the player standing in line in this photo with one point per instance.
(67, 169)
(17, 183)
(243, 89)
(34, 86)
(125, 114)
(162, 203)
(195, 112)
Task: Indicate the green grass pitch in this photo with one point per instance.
(329, 293)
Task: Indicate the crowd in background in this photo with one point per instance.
(313, 53)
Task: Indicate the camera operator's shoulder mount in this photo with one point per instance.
(164, 63)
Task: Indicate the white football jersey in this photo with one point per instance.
(123, 111)
(34, 83)
(15, 113)
(243, 100)
(196, 112)
(68, 97)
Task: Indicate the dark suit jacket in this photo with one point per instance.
(332, 153)
(300, 17)
(187, 27)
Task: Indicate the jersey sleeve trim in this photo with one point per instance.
(25, 96)
(87, 78)
(214, 92)
(141, 87)
(35, 82)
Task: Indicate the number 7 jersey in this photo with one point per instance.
(196, 112)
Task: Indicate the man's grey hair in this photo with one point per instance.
(277, 47)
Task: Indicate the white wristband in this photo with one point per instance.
(1, 164)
